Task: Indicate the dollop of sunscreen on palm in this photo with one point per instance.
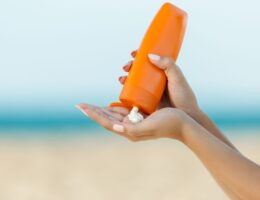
(134, 116)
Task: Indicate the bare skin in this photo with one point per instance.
(179, 117)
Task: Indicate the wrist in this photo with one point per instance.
(198, 115)
(182, 123)
(190, 127)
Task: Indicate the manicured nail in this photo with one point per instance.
(78, 107)
(81, 109)
(133, 53)
(127, 65)
(118, 128)
(154, 57)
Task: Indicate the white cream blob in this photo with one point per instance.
(134, 116)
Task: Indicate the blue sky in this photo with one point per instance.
(56, 53)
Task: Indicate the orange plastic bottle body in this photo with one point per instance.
(145, 83)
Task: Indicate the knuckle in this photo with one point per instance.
(167, 61)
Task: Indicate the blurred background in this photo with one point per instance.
(55, 54)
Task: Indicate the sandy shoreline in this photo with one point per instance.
(108, 167)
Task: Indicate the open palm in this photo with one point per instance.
(165, 122)
(107, 116)
(177, 101)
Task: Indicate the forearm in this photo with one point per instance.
(205, 122)
(208, 124)
(228, 165)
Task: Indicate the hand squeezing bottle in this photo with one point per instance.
(145, 83)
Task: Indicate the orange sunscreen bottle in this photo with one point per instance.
(145, 83)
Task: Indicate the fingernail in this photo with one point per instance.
(82, 110)
(78, 107)
(118, 128)
(154, 57)
(133, 53)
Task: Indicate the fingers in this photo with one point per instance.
(134, 130)
(122, 79)
(138, 129)
(161, 61)
(115, 115)
(121, 130)
(95, 114)
(134, 53)
(167, 64)
(104, 120)
(112, 116)
(121, 110)
(127, 66)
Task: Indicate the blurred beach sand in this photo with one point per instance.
(109, 168)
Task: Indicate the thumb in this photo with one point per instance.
(133, 130)
(172, 71)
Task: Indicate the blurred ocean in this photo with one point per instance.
(55, 54)
(33, 123)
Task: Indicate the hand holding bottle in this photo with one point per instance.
(168, 121)
(178, 93)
